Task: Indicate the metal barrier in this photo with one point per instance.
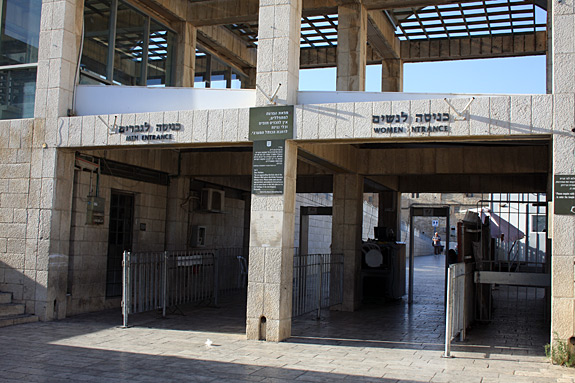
(317, 282)
(164, 280)
(456, 318)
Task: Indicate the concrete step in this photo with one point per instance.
(17, 319)
(11, 309)
(5, 298)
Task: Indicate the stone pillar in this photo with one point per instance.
(51, 170)
(278, 51)
(351, 47)
(59, 44)
(389, 214)
(272, 220)
(346, 233)
(186, 57)
(563, 232)
(270, 276)
(392, 75)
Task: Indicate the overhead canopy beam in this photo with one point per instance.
(473, 183)
(336, 158)
(228, 45)
(524, 44)
(381, 35)
(458, 160)
(220, 12)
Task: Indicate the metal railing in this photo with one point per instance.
(317, 282)
(459, 298)
(165, 280)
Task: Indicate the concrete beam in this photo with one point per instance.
(392, 4)
(464, 48)
(326, 57)
(523, 44)
(220, 12)
(228, 45)
(337, 158)
(381, 35)
(460, 160)
(473, 183)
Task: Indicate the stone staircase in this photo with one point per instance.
(13, 313)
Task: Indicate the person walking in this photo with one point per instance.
(436, 244)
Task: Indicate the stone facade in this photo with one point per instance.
(51, 261)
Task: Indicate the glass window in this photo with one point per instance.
(142, 50)
(20, 31)
(129, 49)
(17, 90)
(19, 35)
(96, 39)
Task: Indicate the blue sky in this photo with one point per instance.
(517, 75)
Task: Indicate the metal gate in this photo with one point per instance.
(317, 283)
(165, 280)
(512, 252)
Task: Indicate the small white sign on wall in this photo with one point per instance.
(435, 222)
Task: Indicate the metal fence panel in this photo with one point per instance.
(317, 282)
(162, 280)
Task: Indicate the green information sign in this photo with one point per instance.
(564, 199)
(271, 123)
(268, 167)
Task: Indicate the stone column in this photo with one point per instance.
(270, 276)
(51, 173)
(346, 233)
(563, 232)
(186, 57)
(278, 50)
(392, 75)
(351, 47)
(272, 220)
(59, 44)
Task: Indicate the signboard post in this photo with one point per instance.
(564, 191)
(269, 128)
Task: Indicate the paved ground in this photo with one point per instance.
(379, 343)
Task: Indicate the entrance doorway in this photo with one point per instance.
(119, 239)
(425, 211)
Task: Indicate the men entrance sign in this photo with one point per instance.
(564, 191)
(269, 128)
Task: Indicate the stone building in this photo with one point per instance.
(103, 107)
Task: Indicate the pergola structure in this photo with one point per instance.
(396, 31)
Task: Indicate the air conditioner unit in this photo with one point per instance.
(212, 200)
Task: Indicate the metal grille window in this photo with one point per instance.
(19, 35)
(124, 46)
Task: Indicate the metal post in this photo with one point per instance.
(448, 308)
(164, 284)
(320, 287)
(411, 255)
(125, 288)
(216, 277)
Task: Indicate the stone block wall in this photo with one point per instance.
(223, 230)
(89, 250)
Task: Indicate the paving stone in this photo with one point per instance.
(380, 343)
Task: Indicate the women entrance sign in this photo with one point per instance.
(269, 128)
(564, 201)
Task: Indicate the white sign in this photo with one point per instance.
(435, 223)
